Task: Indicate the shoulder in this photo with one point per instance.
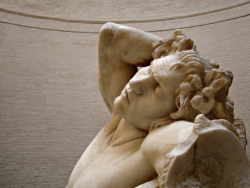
(215, 157)
(180, 135)
(173, 133)
(178, 132)
(163, 140)
(186, 157)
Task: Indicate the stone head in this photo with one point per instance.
(178, 85)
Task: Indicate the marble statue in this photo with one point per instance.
(171, 121)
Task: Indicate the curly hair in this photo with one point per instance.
(205, 87)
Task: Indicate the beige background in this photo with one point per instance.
(50, 106)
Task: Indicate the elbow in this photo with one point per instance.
(106, 37)
(108, 27)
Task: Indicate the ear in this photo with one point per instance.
(179, 103)
(182, 101)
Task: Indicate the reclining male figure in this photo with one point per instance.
(154, 111)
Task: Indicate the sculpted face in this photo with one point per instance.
(150, 94)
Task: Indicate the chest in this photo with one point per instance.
(118, 167)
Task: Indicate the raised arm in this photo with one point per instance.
(121, 50)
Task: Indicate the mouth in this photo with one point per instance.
(125, 94)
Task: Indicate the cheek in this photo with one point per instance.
(166, 105)
(152, 108)
(162, 110)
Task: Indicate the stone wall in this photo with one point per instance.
(51, 108)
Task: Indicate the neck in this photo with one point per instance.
(126, 132)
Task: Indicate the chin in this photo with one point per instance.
(122, 108)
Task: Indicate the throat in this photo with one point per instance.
(125, 133)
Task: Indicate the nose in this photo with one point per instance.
(135, 84)
(141, 83)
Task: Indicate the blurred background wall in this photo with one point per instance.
(50, 106)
